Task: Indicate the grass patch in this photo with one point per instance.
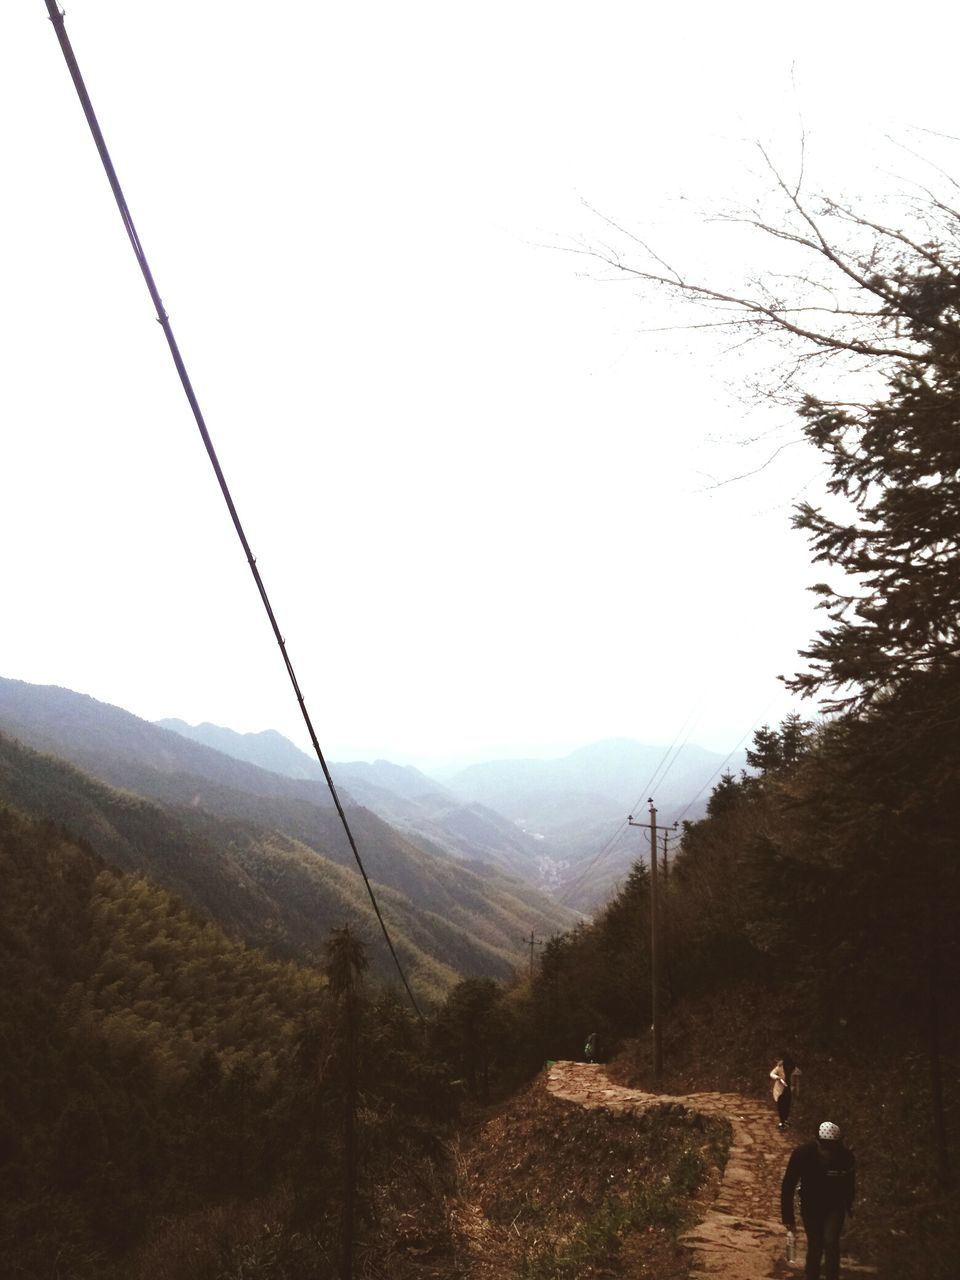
(575, 1190)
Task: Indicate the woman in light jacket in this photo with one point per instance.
(786, 1082)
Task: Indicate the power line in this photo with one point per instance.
(658, 778)
(686, 728)
(723, 764)
(689, 727)
(57, 18)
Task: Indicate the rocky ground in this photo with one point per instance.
(739, 1236)
(582, 1177)
(557, 1187)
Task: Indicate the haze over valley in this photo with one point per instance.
(559, 823)
(562, 425)
(243, 826)
(261, 853)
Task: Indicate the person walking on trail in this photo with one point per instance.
(590, 1048)
(826, 1172)
(786, 1086)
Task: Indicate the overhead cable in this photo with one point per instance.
(656, 777)
(57, 18)
(722, 765)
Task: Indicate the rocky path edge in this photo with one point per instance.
(740, 1236)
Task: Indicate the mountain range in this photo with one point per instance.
(243, 829)
(404, 797)
(577, 806)
(560, 823)
(262, 854)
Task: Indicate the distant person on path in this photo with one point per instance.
(786, 1085)
(590, 1048)
(826, 1172)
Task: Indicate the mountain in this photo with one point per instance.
(420, 806)
(576, 806)
(268, 749)
(262, 854)
(404, 797)
(585, 783)
(129, 752)
(560, 824)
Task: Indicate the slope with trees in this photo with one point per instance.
(191, 778)
(273, 890)
(401, 795)
(813, 906)
(173, 1100)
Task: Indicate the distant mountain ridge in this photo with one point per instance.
(559, 823)
(577, 805)
(263, 854)
(122, 748)
(267, 749)
(614, 770)
(399, 794)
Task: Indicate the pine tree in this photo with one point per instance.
(896, 462)
(879, 304)
(346, 960)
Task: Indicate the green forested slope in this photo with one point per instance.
(129, 1026)
(269, 889)
(812, 911)
(199, 787)
(169, 1098)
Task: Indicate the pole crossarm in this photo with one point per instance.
(532, 942)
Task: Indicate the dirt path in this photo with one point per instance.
(740, 1237)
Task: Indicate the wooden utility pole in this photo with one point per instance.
(532, 942)
(651, 826)
(667, 833)
(664, 912)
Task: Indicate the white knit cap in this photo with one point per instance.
(829, 1132)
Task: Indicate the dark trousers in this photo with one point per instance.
(823, 1240)
(783, 1105)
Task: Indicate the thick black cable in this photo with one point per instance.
(57, 18)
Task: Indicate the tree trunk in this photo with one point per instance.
(348, 1208)
(936, 1071)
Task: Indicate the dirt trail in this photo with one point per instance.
(740, 1237)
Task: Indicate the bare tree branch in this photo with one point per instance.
(756, 470)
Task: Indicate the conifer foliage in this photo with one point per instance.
(868, 310)
(896, 462)
(171, 1101)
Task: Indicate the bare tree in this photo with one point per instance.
(847, 293)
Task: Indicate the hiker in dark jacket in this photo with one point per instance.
(826, 1171)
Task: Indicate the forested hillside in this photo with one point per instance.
(812, 911)
(154, 1071)
(274, 871)
(207, 1073)
(402, 796)
(806, 914)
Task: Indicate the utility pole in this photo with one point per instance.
(664, 913)
(651, 826)
(667, 833)
(531, 942)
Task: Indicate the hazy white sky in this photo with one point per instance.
(479, 495)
